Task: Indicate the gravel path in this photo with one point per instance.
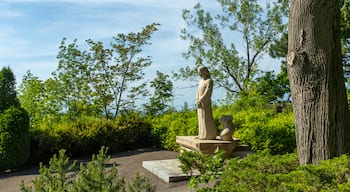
(128, 164)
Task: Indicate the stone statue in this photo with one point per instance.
(227, 128)
(206, 125)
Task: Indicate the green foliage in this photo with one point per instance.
(54, 177)
(166, 127)
(266, 130)
(256, 124)
(87, 134)
(159, 102)
(102, 81)
(260, 125)
(39, 99)
(14, 137)
(140, 184)
(107, 78)
(273, 88)
(70, 75)
(210, 168)
(265, 172)
(62, 175)
(257, 172)
(258, 26)
(328, 175)
(8, 94)
(95, 176)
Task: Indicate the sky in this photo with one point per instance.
(32, 30)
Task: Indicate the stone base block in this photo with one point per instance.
(205, 146)
(168, 170)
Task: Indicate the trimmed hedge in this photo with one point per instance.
(87, 135)
(266, 130)
(14, 138)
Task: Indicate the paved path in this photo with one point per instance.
(128, 164)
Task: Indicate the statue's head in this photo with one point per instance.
(226, 121)
(203, 71)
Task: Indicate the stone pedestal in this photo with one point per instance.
(205, 146)
(168, 170)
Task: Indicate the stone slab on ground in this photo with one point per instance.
(205, 146)
(168, 170)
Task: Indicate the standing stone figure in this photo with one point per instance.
(206, 125)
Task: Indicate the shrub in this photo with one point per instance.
(266, 130)
(265, 172)
(257, 172)
(328, 175)
(14, 138)
(210, 168)
(87, 134)
(260, 127)
(62, 175)
(165, 128)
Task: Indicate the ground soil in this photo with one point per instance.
(129, 163)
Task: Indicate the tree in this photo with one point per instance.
(14, 137)
(8, 94)
(104, 79)
(100, 74)
(162, 95)
(274, 88)
(71, 74)
(314, 63)
(14, 124)
(128, 67)
(279, 48)
(345, 34)
(231, 69)
(31, 97)
(40, 99)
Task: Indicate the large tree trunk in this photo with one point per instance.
(316, 79)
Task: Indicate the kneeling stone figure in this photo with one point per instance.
(228, 129)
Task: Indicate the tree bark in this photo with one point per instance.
(316, 79)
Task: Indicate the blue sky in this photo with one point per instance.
(31, 32)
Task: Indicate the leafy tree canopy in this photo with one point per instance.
(211, 42)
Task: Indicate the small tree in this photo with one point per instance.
(258, 28)
(8, 94)
(105, 79)
(162, 95)
(14, 124)
(95, 176)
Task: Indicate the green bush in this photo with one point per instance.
(266, 172)
(62, 175)
(210, 168)
(328, 175)
(87, 134)
(14, 138)
(166, 127)
(266, 130)
(259, 127)
(257, 172)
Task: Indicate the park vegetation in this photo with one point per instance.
(90, 104)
